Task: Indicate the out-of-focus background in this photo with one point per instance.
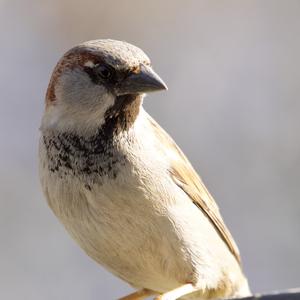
(233, 70)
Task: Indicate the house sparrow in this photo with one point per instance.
(120, 185)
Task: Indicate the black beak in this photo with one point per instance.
(144, 81)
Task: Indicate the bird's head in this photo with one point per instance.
(97, 81)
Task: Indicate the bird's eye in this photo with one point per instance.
(104, 72)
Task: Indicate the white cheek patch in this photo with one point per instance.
(89, 64)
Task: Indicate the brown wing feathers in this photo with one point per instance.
(188, 180)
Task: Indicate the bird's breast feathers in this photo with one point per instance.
(128, 194)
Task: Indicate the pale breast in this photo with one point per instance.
(111, 214)
(128, 215)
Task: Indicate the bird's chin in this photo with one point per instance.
(124, 112)
(127, 102)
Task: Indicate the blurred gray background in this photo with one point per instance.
(232, 68)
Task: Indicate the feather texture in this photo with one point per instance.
(187, 179)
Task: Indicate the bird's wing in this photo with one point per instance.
(187, 179)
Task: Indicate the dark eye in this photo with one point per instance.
(104, 72)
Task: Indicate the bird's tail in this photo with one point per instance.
(242, 291)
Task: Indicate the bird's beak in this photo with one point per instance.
(143, 81)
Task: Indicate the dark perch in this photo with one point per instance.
(293, 294)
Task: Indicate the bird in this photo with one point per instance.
(120, 185)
